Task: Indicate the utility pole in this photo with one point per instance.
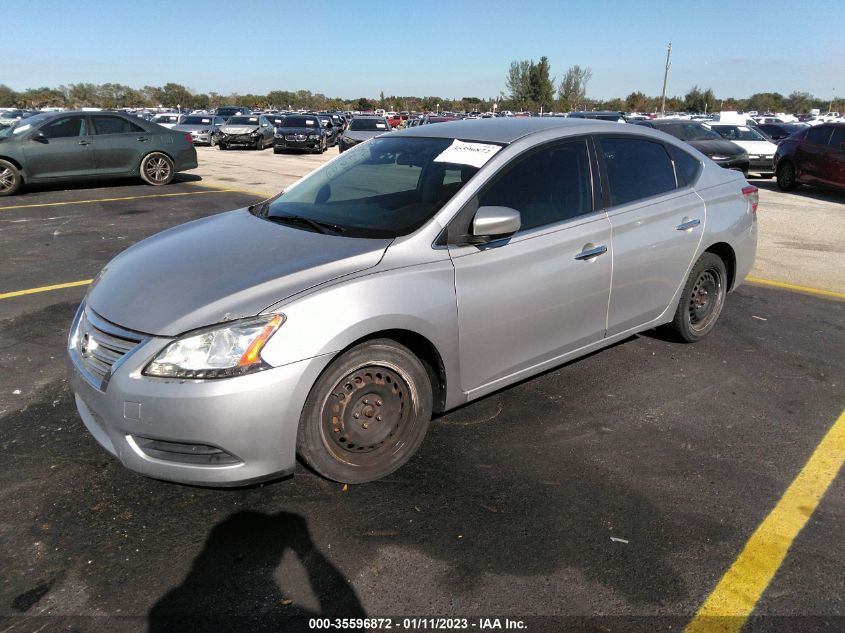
(665, 77)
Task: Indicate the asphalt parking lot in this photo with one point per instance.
(610, 494)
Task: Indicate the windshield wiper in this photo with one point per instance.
(317, 225)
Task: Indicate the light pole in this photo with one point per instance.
(665, 78)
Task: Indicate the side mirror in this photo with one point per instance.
(39, 137)
(493, 223)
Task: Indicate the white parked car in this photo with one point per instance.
(168, 119)
(761, 151)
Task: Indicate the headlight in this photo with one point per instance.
(313, 136)
(256, 133)
(720, 157)
(218, 352)
(203, 132)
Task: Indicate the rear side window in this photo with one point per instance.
(686, 166)
(818, 135)
(114, 125)
(547, 186)
(636, 169)
(837, 138)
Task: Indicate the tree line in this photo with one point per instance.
(529, 86)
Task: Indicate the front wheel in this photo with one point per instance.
(10, 178)
(367, 413)
(212, 140)
(702, 299)
(259, 143)
(157, 169)
(786, 177)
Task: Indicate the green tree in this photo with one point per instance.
(518, 82)
(573, 87)
(766, 102)
(697, 100)
(8, 97)
(796, 102)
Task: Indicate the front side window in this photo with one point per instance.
(114, 125)
(818, 135)
(636, 169)
(384, 188)
(546, 187)
(837, 138)
(64, 127)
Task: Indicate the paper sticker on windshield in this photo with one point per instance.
(460, 153)
(309, 122)
(206, 120)
(742, 128)
(381, 126)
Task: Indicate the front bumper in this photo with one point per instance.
(739, 163)
(224, 432)
(761, 164)
(285, 143)
(204, 139)
(244, 140)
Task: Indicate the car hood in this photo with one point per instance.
(227, 266)
(239, 129)
(757, 147)
(192, 128)
(718, 147)
(363, 136)
(298, 130)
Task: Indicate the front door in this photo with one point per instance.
(525, 301)
(64, 148)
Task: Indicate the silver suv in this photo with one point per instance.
(415, 272)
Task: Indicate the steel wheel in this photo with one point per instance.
(10, 178)
(367, 414)
(702, 299)
(212, 140)
(704, 302)
(157, 169)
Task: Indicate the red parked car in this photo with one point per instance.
(814, 156)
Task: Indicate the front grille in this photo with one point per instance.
(295, 137)
(100, 345)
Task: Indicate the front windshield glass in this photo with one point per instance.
(383, 188)
(166, 118)
(690, 132)
(300, 121)
(243, 120)
(196, 120)
(25, 124)
(738, 133)
(368, 125)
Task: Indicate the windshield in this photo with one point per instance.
(689, 132)
(25, 124)
(167, 118)
(300, 121)
(229, 111)
(243, 120)
(384, 188)
(196, 120)
(368, 125)
(738, 133)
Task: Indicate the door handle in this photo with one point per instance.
(591, 253)
(84, 142)
(143, 138)
(689, 224)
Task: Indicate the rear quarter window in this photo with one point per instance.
(687, 167)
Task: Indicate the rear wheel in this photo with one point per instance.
(157, 169)
(786, 177)
(259, 143)
(702, 299)
(10, 178)
(367, 414)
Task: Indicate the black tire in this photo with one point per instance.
(786, 176)
(766, 175)
(10, 178)
(222, 146)
(276, 150)
(702, 299)
(367, 414)
(259, 143)
(157, 169)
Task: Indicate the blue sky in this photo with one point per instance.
(449, 49)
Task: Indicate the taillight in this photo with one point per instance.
(190, 139)
(751, 193)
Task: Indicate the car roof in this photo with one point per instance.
(506, 130)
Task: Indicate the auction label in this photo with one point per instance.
(474, 154)
(417, 624)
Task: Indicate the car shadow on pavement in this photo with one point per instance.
(232, 584)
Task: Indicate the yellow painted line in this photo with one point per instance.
(734, 598)
(249, 192)
(157, 195)
(32, 291)
(819, 292)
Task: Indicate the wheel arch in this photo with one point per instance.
(423, 349)
(17, 165)
(726, 253)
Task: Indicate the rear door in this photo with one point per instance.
(532, 298)
(810, 154)
(834, 162)
(657, 227)
(64, 149)
(119, 144)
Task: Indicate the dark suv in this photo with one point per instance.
(815, 156)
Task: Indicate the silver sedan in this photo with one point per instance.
(416, 272)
